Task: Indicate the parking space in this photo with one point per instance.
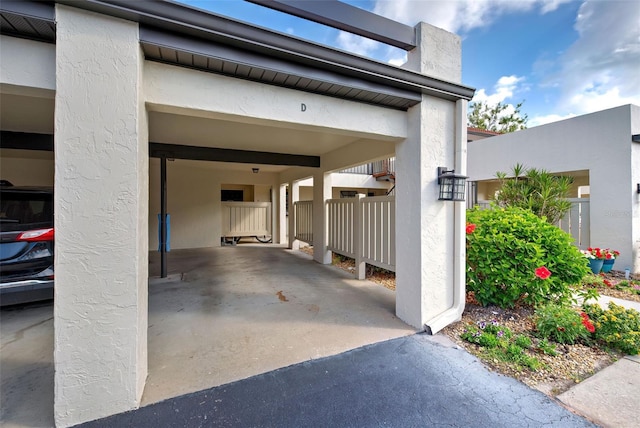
(223, 314)
(26, 366)
(229, 313)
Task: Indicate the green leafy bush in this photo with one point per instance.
(616, 327)
(505, 248)
(561, 324)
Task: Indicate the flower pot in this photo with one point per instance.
(607, 265)
(595, 265)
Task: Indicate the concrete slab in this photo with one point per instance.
(248, 309)
(610, 397)
(26, 366)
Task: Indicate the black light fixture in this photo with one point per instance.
(638, 190)
(452, 185)
(255, 170)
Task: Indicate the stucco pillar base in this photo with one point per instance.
(321, 193)
(294, 196)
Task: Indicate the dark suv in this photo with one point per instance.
(26, 244)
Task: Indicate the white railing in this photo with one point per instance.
(341, 235)
(246, 219)
(363, 229)
(303, 211)
(577, 222)
(378, 216)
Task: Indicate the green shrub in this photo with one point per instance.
(497, 343)
(616, 327)
(561, 324)
(504, 250)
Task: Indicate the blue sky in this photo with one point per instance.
(563, 58)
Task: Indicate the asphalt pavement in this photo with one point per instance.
(412, 381)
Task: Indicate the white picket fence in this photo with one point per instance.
(246, 219)
(363, 229)
(303, 211)
(577, 222)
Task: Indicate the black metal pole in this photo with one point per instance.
(163, 217)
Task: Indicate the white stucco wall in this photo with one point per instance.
(169, 89)
(193, 200)
(28, 64)
(101, 197)
(600, 143)
(26, 167)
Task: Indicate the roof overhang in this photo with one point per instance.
(176, 34)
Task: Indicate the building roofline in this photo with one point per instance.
(182, 19)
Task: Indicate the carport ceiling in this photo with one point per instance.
(204, 132)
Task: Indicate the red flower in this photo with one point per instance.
(470, 228)
(543, 273)
(608, 283)
(587, 324)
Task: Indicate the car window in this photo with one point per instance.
(25, 208)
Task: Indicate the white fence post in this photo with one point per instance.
(358, 226)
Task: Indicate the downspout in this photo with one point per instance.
(454, 313)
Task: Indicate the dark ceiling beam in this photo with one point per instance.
(26, 141)
(176, 151)
(348, 18)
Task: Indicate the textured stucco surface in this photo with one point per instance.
(424, 231)
(27, 63)
(193, 200)
(169, 89)
(598, 142)
(101, 214)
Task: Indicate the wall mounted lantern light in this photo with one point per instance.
(255, 170)
(452, 185)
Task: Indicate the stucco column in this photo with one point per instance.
(321, 192)
(425, 225)
(294, 196)
(101, 217)
(281, 238)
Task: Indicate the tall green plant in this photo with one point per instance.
(537, 190)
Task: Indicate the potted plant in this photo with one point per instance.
(596, 258)
(609, 259)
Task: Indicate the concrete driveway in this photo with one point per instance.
(224, 314)
(249, 309)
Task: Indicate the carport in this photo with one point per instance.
(130, 80)
(222, 314)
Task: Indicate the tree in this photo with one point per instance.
(497, 118)
(537, 190)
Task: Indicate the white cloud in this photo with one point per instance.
(504, 89)
(357, 44)
(602, 68)
(541, 120)
(458, 16)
